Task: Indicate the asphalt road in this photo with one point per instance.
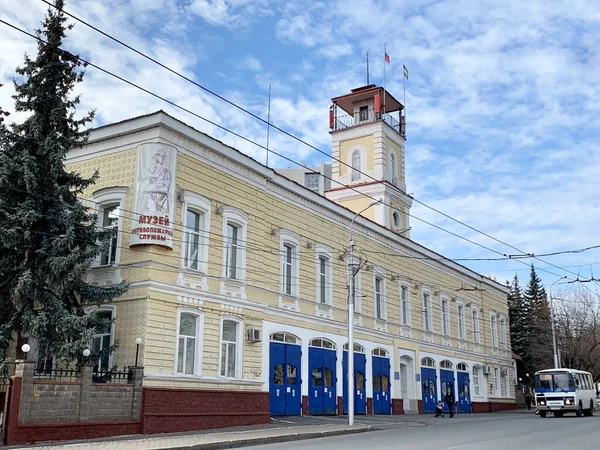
(502, 431)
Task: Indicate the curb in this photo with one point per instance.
(236, 443)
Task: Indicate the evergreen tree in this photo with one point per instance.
(539, 341)
(48, 238)
(518, 314)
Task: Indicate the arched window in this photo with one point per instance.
(393, 166)
(322, 343)
(380, 352)
(427, 362)
(356, 169)
(462, 367)
(231, 346)
(357, 347)
(446, 364)
(188, 359)
(284, 337)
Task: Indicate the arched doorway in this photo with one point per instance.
(464, 388)
(446, 380)
(428, 383)
(360, 380)
(284, 374)
(322, 394)
(382, 401)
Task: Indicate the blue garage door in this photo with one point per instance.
(360, 394)
(322, 395)
(284, 379)
(382, 402)
(464, 391)
(446, 381)
(428, 384)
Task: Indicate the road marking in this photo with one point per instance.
(476, 443)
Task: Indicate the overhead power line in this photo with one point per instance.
(261, 146)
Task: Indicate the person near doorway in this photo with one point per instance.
(449, 400)
(439, 409)
(528, 400)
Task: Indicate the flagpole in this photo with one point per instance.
(367, 68)
(384, 63)
(268, 124)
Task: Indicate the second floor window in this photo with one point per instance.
(427, 325)
(193, 239)
(323, 279)
(461, 322)
(445, 317)
(404, 305)
(288, 269)
(233, 232)
(503, 332)
(476, 337)
(494, 330)
(379, 298)
(110, 223)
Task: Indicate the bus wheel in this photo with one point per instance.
(579, 412)
(542, 414)
(589, 412)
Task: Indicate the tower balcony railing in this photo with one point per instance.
(368, 116)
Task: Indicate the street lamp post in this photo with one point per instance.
(138, 342)
(351, 293)
(556, 361)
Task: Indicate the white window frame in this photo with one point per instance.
(239, 347)
(312, 176)
(199, 341)
(427, 312)
(502, 327)
(476, 325)
(494, 329)
(477, 371)
(461, 319)
(200, 205)
(113, 311)
(379, 273)
(445, 315)
(497, 382)
(405, 313)
(240, 219)
(290, 239)
(327, 253)
(105, 198)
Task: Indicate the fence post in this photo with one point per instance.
(137, 375)
(24, 370)
(85, 393)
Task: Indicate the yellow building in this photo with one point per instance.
(239, 276)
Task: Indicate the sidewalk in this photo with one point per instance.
(212, 439)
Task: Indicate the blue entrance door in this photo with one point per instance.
(464, 392)
(428, 382)
(284, 379)
(381, 386)
(360, 395)
(322, 395)
(446, 384)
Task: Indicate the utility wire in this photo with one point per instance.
(291, 135)
(272, 151)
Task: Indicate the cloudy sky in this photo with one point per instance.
(502, 110)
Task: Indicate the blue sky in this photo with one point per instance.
(502, 107)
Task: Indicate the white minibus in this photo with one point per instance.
(561, 391)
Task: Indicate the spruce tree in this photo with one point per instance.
(48, 238)
(539, 341)
(518, 314)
